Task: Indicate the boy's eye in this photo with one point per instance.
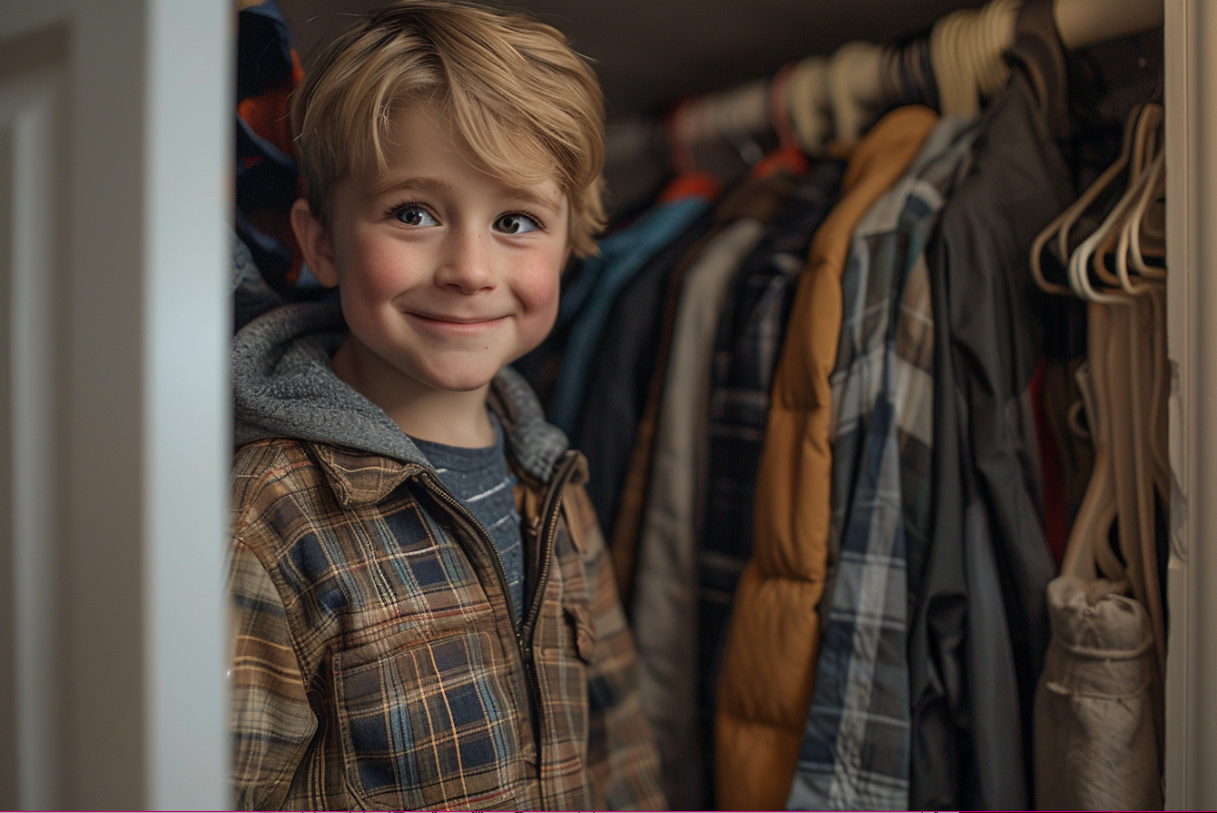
(415, 216)
(516, 224)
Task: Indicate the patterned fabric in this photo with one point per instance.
(855, 751)
(774, 640)
(746, 344)
(479, 478)
(755, 198)
(375, 664)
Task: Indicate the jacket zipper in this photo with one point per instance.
(549, 518)
(524, 632)
(545, 543)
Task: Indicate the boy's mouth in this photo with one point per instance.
(462, 325)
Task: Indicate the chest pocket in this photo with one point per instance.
(427, 725)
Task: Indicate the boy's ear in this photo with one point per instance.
(316, 243)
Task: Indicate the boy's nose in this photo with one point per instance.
(466, 263)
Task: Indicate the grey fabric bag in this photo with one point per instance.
(1095, 744)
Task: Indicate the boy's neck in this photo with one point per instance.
(453, 418)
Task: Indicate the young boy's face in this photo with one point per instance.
(446, 272)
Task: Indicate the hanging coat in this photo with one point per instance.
(746, 345)
(855, 752)
(754, 198)
(770, 660)
(665, 595)
(621, 372)
(981, 625)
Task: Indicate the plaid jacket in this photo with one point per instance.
(746, 343)
(856, 746)
(375, 661)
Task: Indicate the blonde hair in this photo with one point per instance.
(529, 107)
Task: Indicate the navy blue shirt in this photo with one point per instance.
(480, 479)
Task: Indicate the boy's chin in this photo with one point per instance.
(457, 381)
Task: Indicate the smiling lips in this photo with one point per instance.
(456, 325)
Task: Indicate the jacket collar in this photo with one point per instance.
(358, 477)
(284, 386)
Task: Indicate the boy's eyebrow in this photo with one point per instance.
(407, 184)
(439, 185)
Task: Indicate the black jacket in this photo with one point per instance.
(980, 625)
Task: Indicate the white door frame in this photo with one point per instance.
(115, 173)
(1191, 133)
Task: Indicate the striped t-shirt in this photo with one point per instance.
(480, 479)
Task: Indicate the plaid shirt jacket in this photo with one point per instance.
(856, 746)
(376, 663)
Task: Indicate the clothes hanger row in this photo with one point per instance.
(823, 105)
(1125, 255)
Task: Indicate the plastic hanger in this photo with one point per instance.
(1146, 119)
(1130, 371)
(807, 103)
(1121, 367)
(1106, 257)
(949, 74)
(850, 111)
(1133, 367)
(1110, 241)
(1062, 224)
(966, 49)
(1129, 235)
(1100, 184)
(1147, 169)
(1088, 552)
(1148, 221)
(1080, 260)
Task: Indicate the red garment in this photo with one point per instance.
(1052, 471)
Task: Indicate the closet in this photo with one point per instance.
(672, 541)
(115, 337)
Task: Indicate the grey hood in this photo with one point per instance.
(284, 387)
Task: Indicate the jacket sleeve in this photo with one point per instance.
(622, 759)
(272, 721)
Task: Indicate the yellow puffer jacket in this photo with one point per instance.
(770, 664)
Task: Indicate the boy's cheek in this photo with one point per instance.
(539, 289)
(542, 319)
(538, 324)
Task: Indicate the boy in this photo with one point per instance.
(424, 614)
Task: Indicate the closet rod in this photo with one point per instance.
(1080, 23)
(1087, 22)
